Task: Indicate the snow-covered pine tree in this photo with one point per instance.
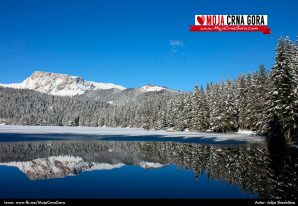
(179, 119)
(230, 114)
(203, 111)
(292, 50)
(187, 111)
(241, 100)
(248, 110)
(281, 116)
(195, 102)
(254, 101)
(216, 110)
(200, 111)
(261, 96)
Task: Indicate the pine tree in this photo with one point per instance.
(216, 107)
(241, 100)
(281, 112)
(248, 110)
(203, 111)
(195, 101)
(261, 96)
(171, 113)
(230, 114)
(254, 101)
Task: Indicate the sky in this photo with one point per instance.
(133, 42)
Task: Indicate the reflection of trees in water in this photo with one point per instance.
(283, 168)
(261, 169)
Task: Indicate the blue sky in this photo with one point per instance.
(133, 43)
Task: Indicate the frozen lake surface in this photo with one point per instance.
(23, 133)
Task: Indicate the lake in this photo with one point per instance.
(144, 169)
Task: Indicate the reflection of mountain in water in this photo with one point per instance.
(252, 167)
(58, 166)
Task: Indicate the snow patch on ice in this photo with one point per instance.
(248, 132)
(148, 165)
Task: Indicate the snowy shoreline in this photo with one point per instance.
(106, 133)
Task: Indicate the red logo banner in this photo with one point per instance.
(224, 28)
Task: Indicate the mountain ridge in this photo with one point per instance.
(67, 85)
(60, 84)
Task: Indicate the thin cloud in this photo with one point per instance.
(175, 44)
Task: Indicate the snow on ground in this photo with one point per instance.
(106, 132)
(248, 132)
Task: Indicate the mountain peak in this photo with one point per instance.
(42, 73)
(60, 84)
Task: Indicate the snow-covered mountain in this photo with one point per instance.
(66, 85)
(151, 88)
(60, 84)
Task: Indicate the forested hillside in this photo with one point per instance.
(265, 101)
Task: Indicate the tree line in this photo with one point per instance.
(263, 101)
